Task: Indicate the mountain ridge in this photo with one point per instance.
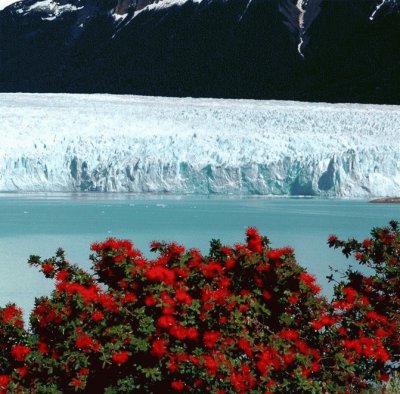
(310, 50)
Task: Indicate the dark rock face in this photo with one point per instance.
(123, 7)
(312, 50)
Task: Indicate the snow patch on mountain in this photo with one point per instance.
(299, 17)
(151, 144)
(376, 10)
(385, 4)
(53, 8)
(161, 5)
(6, 3)
(118, 17)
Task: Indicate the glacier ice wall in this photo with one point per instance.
(147, 144)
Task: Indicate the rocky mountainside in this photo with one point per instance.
(312, 50)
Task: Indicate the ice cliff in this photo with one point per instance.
(148, 144)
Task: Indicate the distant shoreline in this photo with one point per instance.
(387, 200)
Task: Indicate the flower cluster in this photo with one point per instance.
(243, 319)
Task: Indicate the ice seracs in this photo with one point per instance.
(149, 144)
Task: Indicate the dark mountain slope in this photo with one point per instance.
(268, 49)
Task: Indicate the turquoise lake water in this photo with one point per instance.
(40, 223)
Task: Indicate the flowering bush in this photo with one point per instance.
(244, 319)
(368, 305)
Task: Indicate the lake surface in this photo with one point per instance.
(40, 223)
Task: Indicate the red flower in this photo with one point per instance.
(122, 284)
(289, 358)
(382, 355)
(160, 274)
(358, 256)
(350, 294)
(244, 344)
(84, 371)
(367, 243)
(108, 302)
(211, 270)
(4, 381)
(62, 275)
(315, 367)
(381, 333)
(120, 357)
(43, 348)
(303, 347)
(254, 240)
(183, 297)
(377, 317)
(309, 281)
(230, 263)
(266, 295)
(322, 322)
(384, 377)
(211, 365)
(19, 352)
(178, 332)
(129, 297)
(274, 254)
(96, 346)
(342, 331)
(172, 366)
(168, 310)
(305, 371)
(155, 245)
(48, 268)
(83, 341)
(97, 316)
(111, 244)
(178, 385)
(194, 360)
(77, 382)
(166, 321)
(175, 250)
(252, 232)
(332, 238)
(13, 315)
(210, 338)
(159, 347)
(88, 294)
(150, 300)
(181, 272)
(192, 333)
(23, 371)
(289, 334)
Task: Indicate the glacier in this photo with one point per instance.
(117, 143)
